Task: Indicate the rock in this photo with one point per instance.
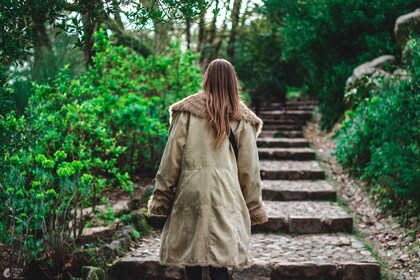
(304, 271)
(100, 231)
(298, 224)
(371, 68)
(121, 207)
(256, 271)
(126, 230)
(134, 203)
(92, 273)
(132, 269)
(361, 271)
(400, 73)
(406, 24)
(139, 221)
(116, 248)
(148, 191)
(83, 257)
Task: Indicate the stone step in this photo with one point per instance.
(283, 190)
(303, 115)
(335, 256)
(305, 217)
(290, 170)
(282, 127)
(284, 122)
(270, 107)
(282, 143)
(286, 153)
(290, 103)
(281, 134)
(303, 102)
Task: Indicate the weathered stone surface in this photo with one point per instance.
(305, 217)
(290, 170)
(260, 271)
(101, 231)
(371, 68)
(282, 127)
(405, 24)
(302, 224)
(130, 268)
(290, 114)
(288, 134)
(92, 273)
(335, 224)
(282, 143)
(286, 153)
(361, 271)
(284, 190)
(311, 254)
(304, 271)
(294, 121)
(281, 134)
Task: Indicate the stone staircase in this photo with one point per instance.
(308, 235)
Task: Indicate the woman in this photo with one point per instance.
(210, 198)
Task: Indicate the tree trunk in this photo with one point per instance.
(42, 48)
(233, 31)
(188, 31)
(201, 38)
(116, 12)
(92, 13)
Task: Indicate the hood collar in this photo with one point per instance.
(196, 105)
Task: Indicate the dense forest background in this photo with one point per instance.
(85, 86)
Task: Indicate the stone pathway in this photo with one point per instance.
(308, 235)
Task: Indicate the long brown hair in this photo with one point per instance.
(221, 85)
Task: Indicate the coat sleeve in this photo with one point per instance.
(160, 203)
(249, 174)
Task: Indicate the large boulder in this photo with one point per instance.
(361, 84)
(372, 68)
(406, 26)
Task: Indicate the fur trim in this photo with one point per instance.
(196, 105)
(258, 215)
(156, 207)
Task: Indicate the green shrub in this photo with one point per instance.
(79, 136)
(380, 140)
(328, 39)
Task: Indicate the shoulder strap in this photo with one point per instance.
(233, 142)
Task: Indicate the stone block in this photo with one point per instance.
(361, 271)
(338, 224)
(303, 224)
(304, 271)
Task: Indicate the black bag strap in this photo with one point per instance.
(234, 144)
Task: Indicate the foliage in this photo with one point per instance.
(258, 60)
(17, 19)
(80, 136)
(327, 39)
(380, 140)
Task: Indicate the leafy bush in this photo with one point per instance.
(79, 136)
(327, 39)
(380, 140)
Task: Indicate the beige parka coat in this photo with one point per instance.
(209, 198)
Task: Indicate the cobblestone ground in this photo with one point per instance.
(398, 248)
(306, 237)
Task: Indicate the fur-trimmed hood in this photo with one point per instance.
(196, 105)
